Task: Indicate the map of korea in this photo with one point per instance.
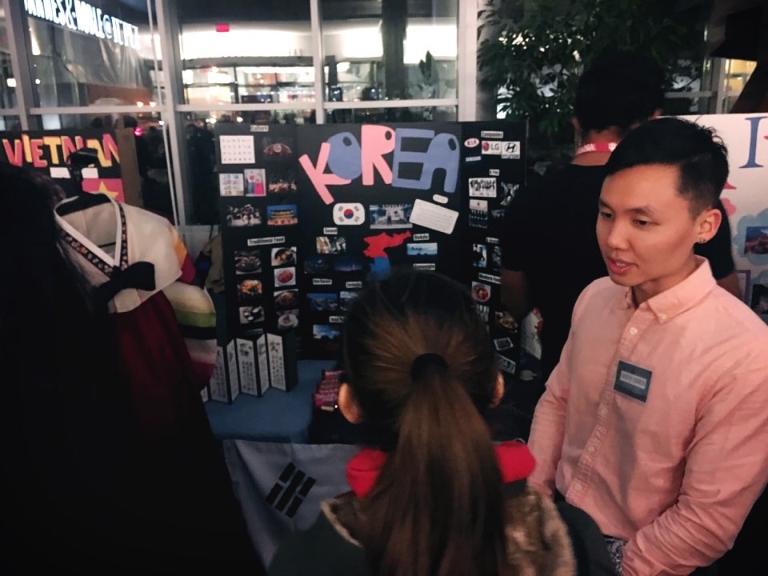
(377, 247)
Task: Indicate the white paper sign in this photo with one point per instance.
(510, 150)
(237, 150)
(434, 217)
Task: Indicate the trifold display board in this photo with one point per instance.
(309, 213)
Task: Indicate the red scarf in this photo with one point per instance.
(514, 458)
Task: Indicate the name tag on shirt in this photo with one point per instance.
(632, 381)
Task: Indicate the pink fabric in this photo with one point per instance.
(675, 475)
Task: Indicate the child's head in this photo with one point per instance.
(413, 332)
(420, 367)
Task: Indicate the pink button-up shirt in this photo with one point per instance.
(655, 422)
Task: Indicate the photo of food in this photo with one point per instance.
(323, 302)
(481, 292)
(251, 314)
(348, 264)
(288, 319)
(757, 240)
(346, 299)
(282, 215)
(318, 265)
(282, 183)
(286, 299)
(276, 150)
(249, 289)
(386, 216)
(331, 245)
(285, 277)
(285, 256)
(505, 320)
(247, 262)
(239, 216)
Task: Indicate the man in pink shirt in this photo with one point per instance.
(655, 421)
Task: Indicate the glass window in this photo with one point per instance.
(7, 80)
(393, 49)
(10, 124)
(91, 53)
(389, 115)
(245, 52)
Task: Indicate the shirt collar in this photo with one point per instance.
(679, 298)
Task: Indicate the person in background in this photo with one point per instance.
(430, 493)
(549, 249)
(655, 421)
(78, 491)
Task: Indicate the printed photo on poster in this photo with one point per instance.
(273, 148)
(326, 332)
(484, 311)
(318, 264)
(478, 213)
(286, 299)
(425, 250)
(345, 299)
(288, 319)
(479, 255)
(323, 302)
(502, 344)
(497, 219)
(255, 182)
(496, 259)
(482, 187)
(348, 264)
(282, 215)
(251, 314)
(508, 192)
(505, 320)
(231, 184)
(331, 245)
(744, 277)
(285, 277)
(756, 240)
(282, 182)
(386, 216)
(285, 256)
(759, 302)
(481, 292)
(249, 289)
(247, 262)
(241, 216)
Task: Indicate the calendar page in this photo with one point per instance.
(237, 150)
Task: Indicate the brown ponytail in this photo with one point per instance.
(437, 506)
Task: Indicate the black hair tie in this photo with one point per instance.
(424, 361)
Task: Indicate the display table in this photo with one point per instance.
(275, 417)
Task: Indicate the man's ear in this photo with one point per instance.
(348, 405)
(498, 391)
(656, 114)
(709, 222)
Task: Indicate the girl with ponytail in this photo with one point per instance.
(431, 494)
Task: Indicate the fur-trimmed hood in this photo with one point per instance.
(538, 543)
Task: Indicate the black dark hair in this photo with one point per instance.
(618, 89)
(699, 154)
(419, 361)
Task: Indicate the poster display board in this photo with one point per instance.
(47, 153)
(745, 198)
(310, 213)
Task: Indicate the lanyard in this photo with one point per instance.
(596, 147)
